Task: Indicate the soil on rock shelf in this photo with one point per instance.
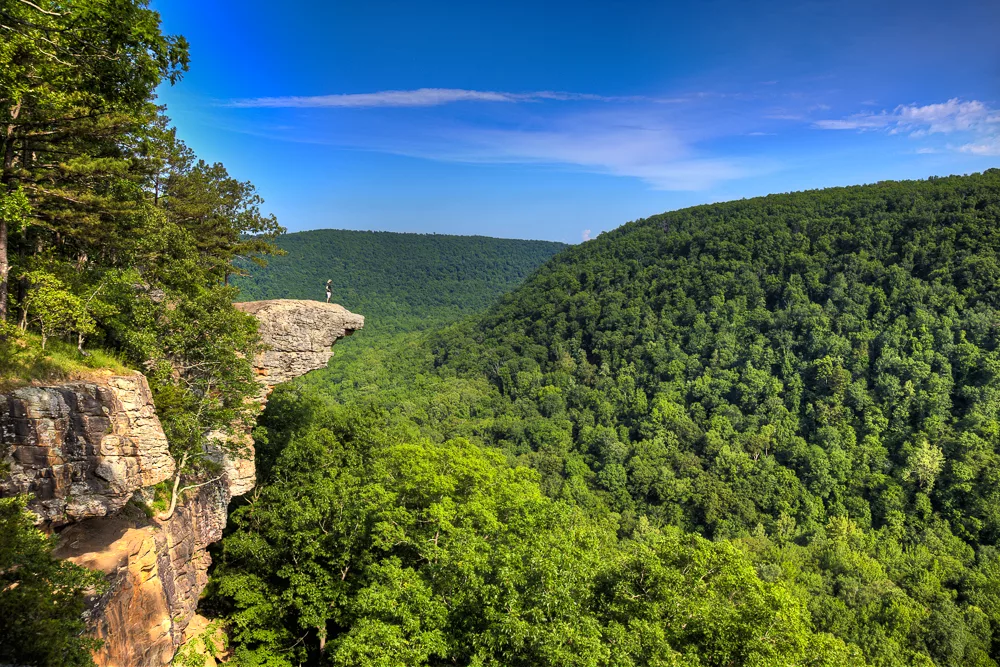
(102, 543)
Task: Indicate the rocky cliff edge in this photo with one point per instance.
(84, 449)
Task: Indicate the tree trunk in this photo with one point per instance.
(174, 493)
(6, 179)
(4, 271)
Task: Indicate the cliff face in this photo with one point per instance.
(155, 569)
(82, 449)
(85, 449)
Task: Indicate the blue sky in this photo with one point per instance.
(559, 120)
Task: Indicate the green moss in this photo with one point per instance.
(161, 497)
(142, 506)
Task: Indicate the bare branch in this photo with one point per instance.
(198, 486)
(33, 5)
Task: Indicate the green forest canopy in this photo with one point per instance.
(399, 282)
(762, 432)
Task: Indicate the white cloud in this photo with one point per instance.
(586, 235)
(638, 145)
(974, 119)
(946, 117)
(648, 138)
(951, 116)
(861, 121)
(421, 97)
(989, 146)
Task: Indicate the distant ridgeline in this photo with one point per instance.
(811, 381)
(401, 282)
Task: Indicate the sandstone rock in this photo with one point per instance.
(82, 448)
(204, 640)
(156, 572)
(300, 334)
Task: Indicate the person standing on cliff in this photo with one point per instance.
(329, 290)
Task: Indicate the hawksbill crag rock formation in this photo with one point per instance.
(84, 449)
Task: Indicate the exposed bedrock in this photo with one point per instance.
(83, 449)
(300, 335)
(156, 570)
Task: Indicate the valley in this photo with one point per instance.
(799, 381)
(751, 430)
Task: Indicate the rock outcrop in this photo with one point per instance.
(85, 449)
(300, 335)
(156, 570)
(82, 449)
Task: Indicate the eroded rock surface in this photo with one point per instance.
(300, 335)
(85, 448)
(82, 449)
(156, 571)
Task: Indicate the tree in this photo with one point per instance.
(41, 598)
(811, 379)
(368, 545)
(924, 465)
(70, 73)
(203, 381)
(53, 307)
(222, 215)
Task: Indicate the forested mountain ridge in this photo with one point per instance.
(401, 281)
(855, 318)
(810, 380)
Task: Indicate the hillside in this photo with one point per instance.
(811, 381)
(401, 282)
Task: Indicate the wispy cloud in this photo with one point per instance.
(586, 235)
(975, 120)
(638, 144)
(421, 97)
(669, 142)
(988, 146)
(946, 117)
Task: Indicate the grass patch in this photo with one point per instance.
(158, 502)
(23, 361)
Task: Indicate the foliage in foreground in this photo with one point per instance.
(113, 237)
(372, 547)
(41, 598)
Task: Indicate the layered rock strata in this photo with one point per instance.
(299, 335)
(156, 570)
(84, 449)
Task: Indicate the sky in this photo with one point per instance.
(559, 120)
